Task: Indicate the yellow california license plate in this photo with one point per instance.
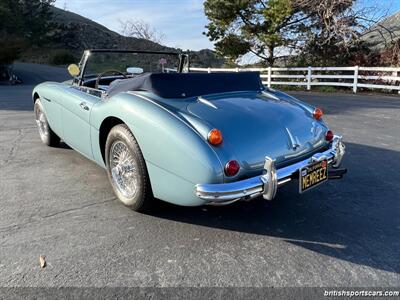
(313, 175)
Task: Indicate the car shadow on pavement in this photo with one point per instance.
(355, 219)
(63, 145)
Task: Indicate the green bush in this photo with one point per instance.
(62, 57)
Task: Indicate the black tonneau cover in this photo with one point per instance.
(182, 85)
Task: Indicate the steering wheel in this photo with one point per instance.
(96, 86)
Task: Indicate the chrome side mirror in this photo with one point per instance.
(134, 70)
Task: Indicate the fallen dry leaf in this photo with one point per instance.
(42, 260)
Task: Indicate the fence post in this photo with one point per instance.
(208, 70)
(269, 77)
(395, 74)
(237, 69)
(309, 78)
(355, 80)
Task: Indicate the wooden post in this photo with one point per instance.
(309, 78)
(355, 80)
(269, 77)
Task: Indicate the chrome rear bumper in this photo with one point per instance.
(267, 183)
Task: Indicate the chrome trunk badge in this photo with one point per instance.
(294, 141)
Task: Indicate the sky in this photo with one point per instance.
(181, 21)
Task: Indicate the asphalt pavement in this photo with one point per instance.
(56, 203)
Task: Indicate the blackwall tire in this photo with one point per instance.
(126, 169)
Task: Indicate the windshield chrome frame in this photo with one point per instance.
(84, 60)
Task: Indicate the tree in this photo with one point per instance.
(267, 27)
(141, 30)
(10, 40)
(37, 20)
(23, 23)
(27, 19)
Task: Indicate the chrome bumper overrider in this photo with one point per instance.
(267, 183)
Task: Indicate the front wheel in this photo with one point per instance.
(47, 135)
(127, 170)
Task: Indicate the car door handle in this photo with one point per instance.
(84, 106)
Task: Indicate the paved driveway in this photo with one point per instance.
(54, 202)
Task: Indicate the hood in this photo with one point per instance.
(255, 125)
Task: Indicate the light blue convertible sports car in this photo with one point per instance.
(186, 138)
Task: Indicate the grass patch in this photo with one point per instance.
(321, 89)
(326, 89)
(288, 87)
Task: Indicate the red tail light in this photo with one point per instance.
(232, 167)
(318, 113)
(329, 136)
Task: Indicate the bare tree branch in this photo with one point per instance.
(141, 30)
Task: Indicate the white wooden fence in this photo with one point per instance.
(353, 77)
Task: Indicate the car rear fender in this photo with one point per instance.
(168, 143)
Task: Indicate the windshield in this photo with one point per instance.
(130, 63)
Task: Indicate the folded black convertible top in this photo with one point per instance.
(182, 85)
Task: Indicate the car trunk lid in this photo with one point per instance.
(254, 126)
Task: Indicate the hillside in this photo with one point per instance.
(79, 33)
(380, 36)
(76, 33)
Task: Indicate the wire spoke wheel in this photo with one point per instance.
(41, 122)
(47, 135)
(124, 169)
